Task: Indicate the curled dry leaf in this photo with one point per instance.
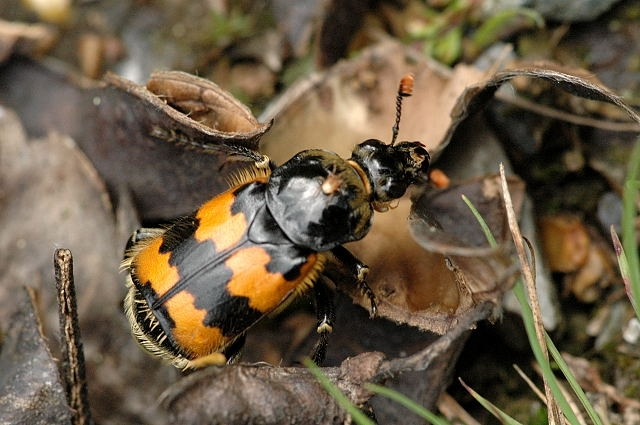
(206, 103)
(354, 101)
(136, 139)
(192, 160)
(573, 81)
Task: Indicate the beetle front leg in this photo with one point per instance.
(359, 271)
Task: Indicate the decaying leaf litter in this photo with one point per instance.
(347, 103)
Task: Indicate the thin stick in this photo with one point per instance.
(73, 370)
(530, 383)
(554, 416)
(558, 114)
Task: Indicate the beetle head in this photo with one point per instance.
(390, 169)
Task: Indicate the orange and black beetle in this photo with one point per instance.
(196, 287)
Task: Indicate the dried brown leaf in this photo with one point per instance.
(263, 394)
(354, 101)
(575, 81)
(30, 389)
(138, 143)
(52, 197)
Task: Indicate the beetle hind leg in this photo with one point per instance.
(136, 243)
(213, 359)
(233, 352)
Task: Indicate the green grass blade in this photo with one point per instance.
(493, 28)
(623, 265)
(492, 408)
(409, 404)
(629, 215)
(527, 317)
(355, 413)
(481, 222)
(543, 362)
(573, 382)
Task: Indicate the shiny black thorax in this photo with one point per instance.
(321, 200)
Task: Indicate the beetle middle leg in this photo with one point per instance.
(326, 314)
(358, 270)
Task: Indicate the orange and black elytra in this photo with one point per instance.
(197, 286)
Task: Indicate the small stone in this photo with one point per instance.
(631, 333)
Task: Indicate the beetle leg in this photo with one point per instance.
(230, 355)
(234, 351)
(213, 359)
(141, 234)
(356, 267)
(326, 314)
(359, 270)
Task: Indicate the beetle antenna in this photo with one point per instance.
(405, 89)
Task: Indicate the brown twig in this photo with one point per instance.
(550, 112)
(73, 369)
(452, 410)
(528, 274)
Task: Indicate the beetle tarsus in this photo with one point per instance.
(326, 315)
